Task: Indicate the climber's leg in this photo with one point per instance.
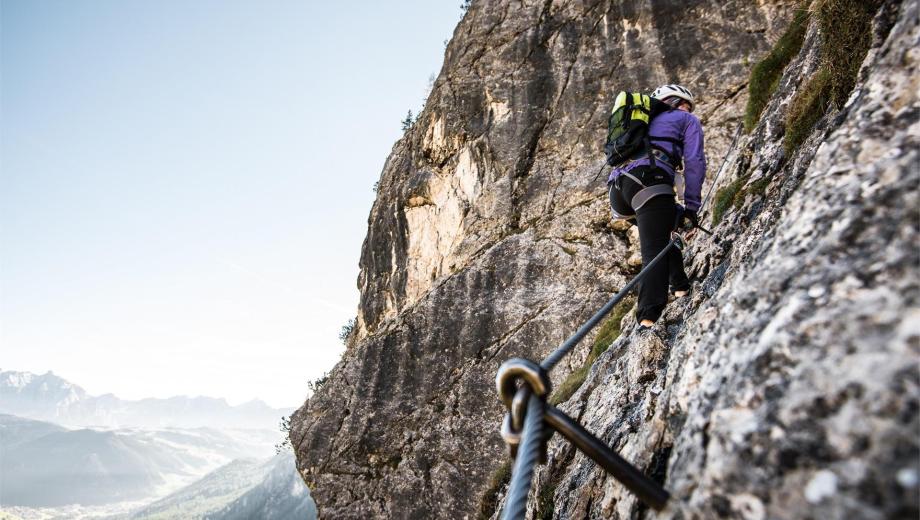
(656, 220)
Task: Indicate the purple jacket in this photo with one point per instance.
(686, 128)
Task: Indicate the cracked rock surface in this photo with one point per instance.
(787, 385)
(784, 386)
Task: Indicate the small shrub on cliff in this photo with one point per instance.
(407, 122)
(349, 326)
(285, 427)
(766, 74)
(317, 383)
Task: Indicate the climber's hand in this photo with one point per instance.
(690, 219)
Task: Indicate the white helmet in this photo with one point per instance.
(665, 91)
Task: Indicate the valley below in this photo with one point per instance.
(134, 469)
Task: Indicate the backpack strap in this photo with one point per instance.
(667, 153)
(648, 152)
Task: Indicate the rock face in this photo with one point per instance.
(785, 387)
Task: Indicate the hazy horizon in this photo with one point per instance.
(185, 187)
(94, 394)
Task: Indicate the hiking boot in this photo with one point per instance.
(677, 294)
(645, 325)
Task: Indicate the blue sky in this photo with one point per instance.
(184, 186)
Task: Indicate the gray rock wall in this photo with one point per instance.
(786, 387)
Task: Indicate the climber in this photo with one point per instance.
(675, 136)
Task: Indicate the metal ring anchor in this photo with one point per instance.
(511, 436)
(536, 382)
(518, 368)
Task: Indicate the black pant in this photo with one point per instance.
(656, 219)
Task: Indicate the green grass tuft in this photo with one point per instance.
(758, 187)
(609, 331)
(733, 195)
(725, 198)
(545, 505)
(499, 479)
(806, 109)
(766, 74)
(570, 385)
(846, 34)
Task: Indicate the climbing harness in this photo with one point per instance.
(660, 155)
(647, 192)
(656, 154)
(524, 386)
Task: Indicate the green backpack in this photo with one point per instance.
(627, 127)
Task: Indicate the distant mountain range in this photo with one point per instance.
(45, 465)
(51, 398)
(67, 454)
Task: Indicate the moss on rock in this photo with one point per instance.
(609, 331)
(767, 72)
(498, 480)
(846, 34)
(725, 198)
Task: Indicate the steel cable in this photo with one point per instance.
(527, 456)
(721, 167)
(531, 435)
(531, 441)
(555, 356)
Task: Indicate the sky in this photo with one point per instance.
(185, 185)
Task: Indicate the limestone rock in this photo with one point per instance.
(790, 385)
(785, 386)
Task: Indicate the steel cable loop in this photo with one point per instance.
(533, 381)
(519, 407)
(513, 422)
(515, 369)
(523, 431)
(511, 436)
